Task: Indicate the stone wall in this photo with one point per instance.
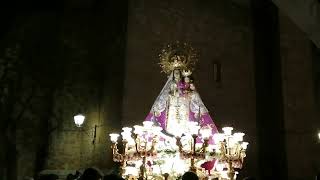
(97, 43)
(301, 124)
(76, 60)
(305, 14)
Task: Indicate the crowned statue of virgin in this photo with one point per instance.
(177, 134)
(179, 103)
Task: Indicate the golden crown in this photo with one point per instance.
(178, 56)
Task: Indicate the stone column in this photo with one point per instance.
(269, 97)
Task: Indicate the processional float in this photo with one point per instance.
(178, 135)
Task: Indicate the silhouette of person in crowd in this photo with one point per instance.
(49, 177)
(91, 174)
(112, 177)
(190, 176)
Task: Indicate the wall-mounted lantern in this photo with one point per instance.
(91, 132)
(79, 119)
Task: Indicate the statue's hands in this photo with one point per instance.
(157, 113)
(173, 89)
(196, 115)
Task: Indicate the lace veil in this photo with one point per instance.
(160, 104)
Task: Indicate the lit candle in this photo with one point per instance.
(114, 137)
(138, 129)
(227, 130)
(238, 137)
(126, 129)
(126, 135)
(193, 127)
(147, 124)
(195, 130)
(156, 130)
(206, 132)
(177, 133)
(218, 137)
(244, 145)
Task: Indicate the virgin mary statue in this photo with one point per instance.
(179, 102)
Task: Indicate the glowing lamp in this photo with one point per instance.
(79, 119)
(156, 170)
(219, 167)
(238, 137)
(114, 137)
(195, 130)
(127, 129)
(205, 132)
(218, 137)
(126, 135)
(227, 130)
(138, 129)
(156, 130)
(192, 124)
(178, 133)
(244, 145)
(147, 124)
